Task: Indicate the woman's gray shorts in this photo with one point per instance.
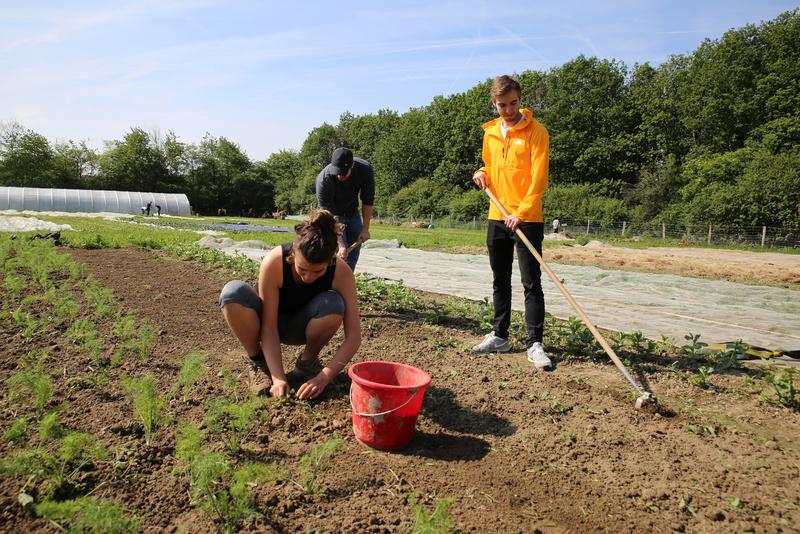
(291, 327)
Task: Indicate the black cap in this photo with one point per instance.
(341, 161)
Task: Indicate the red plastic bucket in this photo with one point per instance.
(386, 398)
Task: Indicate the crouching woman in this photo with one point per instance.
(304, 294)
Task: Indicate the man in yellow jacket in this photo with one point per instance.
(516, 157)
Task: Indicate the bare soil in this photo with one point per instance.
(769, 268)
(763, 268)
(517, 450)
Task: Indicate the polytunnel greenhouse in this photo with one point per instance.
(90, 201)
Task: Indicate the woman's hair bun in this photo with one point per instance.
(318, 236)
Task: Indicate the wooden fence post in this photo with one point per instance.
(709, 235)
(623, 228)
(587, 226)
(763, 235)
(663, 230)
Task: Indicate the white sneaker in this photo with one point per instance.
(537, 356)
(492, 343)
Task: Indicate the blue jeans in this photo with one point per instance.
(352, 229)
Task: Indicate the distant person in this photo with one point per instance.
(158, 210)
(516, 157)
(339, 186)
(556, 225)
(149, 207)
(304, 294)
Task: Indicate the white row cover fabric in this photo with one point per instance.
(89, 201)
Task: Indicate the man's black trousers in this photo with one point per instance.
(501, 242)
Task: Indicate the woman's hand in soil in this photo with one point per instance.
(312, 388)
(280, 388)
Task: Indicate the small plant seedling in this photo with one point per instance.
(437, 313)
(437, 521)
(486, 315)
(17, 432)
(557, 408)
(192, 369)
(685, 504)
(784, 391)
(233, 421)
(145, 341)
(124, 326)
(58, 459)
(694, 346)
(314, 462)
(209, 474)
(734, 501)
(86, 514)
(702, 429)
(83, 332)
(442, 342)
(32, 386)
(147, 405)
(579, 339)
(25, 320)
(14, 284)
(231, 386)
(567, 436)
(701, 378)
(64, 306)
(100, 298)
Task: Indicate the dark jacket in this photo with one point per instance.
(341, 198)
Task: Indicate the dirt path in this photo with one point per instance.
(768, 268)
(515, 449)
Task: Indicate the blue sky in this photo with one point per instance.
(263, 73)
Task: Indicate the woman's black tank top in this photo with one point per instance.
(294, 296)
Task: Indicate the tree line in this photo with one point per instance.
(707, 137)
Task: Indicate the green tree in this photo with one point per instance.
(456, 126)
(26, 158)
(366, 131)
(592, 122)
(218, 166)
(284, 170)
(421, 198)
(314, 156)
(133, 164)
(406, 153)
(473, 204)
(75, 165)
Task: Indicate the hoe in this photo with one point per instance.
(645, 397)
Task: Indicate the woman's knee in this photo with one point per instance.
(238, 292)
(329, 303)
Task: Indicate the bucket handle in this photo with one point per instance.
(416, 390)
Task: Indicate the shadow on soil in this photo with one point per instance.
(440, 406)
(446, 447)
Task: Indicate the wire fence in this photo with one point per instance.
(709, 234)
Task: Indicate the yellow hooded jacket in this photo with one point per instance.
(516, 167)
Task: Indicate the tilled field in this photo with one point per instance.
(515, 450)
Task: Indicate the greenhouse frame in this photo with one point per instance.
(91, 201)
